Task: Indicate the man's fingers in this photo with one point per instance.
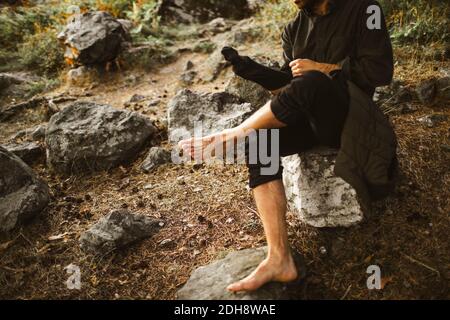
(294, 62)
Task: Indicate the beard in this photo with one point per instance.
(306, 4)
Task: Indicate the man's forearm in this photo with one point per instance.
(327, 68)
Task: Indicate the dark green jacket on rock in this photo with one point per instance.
(367, 157)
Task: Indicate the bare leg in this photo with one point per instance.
(270, 200)
(279, 265)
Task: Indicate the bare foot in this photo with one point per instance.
(267, 271)
(207, 147)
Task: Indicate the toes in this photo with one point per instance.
(235, 287)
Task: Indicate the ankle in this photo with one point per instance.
(279, 256)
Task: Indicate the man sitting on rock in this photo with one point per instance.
(336, 53)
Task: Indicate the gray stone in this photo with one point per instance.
(92, 38)
(188, 77)
(215, 111)
(36, 133)
(82, 75)
(117, 230)
(443, 89)
(190, 11)
(9, 79)
(210, 282)
(23, 195)
(90, 136)
(248, 91)
(426, 91)
(433, 120)
(316, 194)
(189, 66)
(137, 98)
(29, 152)
(155, 157)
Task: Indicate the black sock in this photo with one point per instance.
(251, 70)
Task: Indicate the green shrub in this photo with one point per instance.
(275, 15)
(42, 52)
(421, 21)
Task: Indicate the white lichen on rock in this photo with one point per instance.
(316, 194)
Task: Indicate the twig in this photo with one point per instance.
(422, 264)
(346, 292)
(254, 211)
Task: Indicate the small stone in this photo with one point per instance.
(188, 77)
(189, 65)
(165, 242)
(154, 103)
(117, 230)
(136, 98)
(433, 120)
(156, 156)
(426, 91)
(323, 250)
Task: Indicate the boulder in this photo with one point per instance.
(317, 196)
(91, 136)
(23, 195)
(156, 157)
(190, 11)
(117, 230)
(214, 111)
(248, 91)
(93, 38)
(28, 151)
(210, 282)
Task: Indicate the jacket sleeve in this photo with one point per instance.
(371, 65)
(286, 43)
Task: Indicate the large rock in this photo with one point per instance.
(316, 194)
(28, 151)
(92, 38)
(248, 91)
(215, 112)
(22, 194)
(189, 11)
(210, 282)
(90, 136)
(117, 230)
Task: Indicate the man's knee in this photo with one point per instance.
(262, 150)
(311, 81)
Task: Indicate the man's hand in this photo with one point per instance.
(299, 66)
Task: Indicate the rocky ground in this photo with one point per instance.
(196, 214)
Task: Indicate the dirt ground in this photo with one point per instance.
(208, 211)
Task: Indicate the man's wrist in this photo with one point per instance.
(327, 68)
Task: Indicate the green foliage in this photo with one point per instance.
(421, 21)
(42, 52)
(205, 47)
(15, 24)
(274, 16)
